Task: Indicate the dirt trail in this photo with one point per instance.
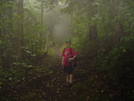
(57, 51)
(47, 78)
(56, 90)
(51, 88)
(41, 86)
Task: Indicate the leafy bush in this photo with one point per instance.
(50, 51)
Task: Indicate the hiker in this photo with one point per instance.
(68, 55)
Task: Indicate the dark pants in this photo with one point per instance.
(68, 69)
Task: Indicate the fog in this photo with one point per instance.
(61, 32)
(58, 24)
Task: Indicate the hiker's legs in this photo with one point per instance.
(66, 72)
(67, 77)
(71, 78)
(69, 74)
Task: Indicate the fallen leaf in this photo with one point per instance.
(102, 90)
(58, 89)
(96, 91)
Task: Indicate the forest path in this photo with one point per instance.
(55, 89)
(57, 51)
(45, 82)
(41, 86)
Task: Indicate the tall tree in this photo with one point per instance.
(42, 13)
(10, 10)
(92, 28)
(20, 29)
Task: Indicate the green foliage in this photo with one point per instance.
(62, 47)
(80, 25)
(111, 50)
(51, 51)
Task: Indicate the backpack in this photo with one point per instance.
(74, 62)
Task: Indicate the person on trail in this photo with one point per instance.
(68, 55)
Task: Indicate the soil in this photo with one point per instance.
(89, 83)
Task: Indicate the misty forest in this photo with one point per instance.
(33, 35)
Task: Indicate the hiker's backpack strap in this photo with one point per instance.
(64, 50)
(71, 51)
(74, 62)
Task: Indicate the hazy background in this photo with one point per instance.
(58, 24)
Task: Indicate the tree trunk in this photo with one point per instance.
(92, 32)
(20, 29)
(92, 28)
(9, 31)
(118, 27)
(10, 9)
(1, 48)
(41, 33)
(118, 32)
(42, 10)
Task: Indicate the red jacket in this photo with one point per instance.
(66, 54)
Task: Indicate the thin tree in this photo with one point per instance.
(92, 28)
(10, 10)
(42, 10)
(20, 29)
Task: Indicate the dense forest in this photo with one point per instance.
(32, 37)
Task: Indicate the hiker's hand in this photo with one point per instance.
(70, 59)
(62, 64)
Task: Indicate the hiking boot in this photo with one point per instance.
(68, 84)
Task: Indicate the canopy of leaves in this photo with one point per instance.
(102, 33)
